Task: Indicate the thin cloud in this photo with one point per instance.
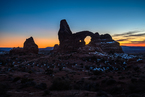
(127, 33)
(136, 42)
(125, 39)
(122, 40)
(138, 34)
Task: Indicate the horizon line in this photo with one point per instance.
(53, 46)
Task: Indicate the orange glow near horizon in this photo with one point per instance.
(128, 41)
(17, 41)
(132, 44)
(10, 41)
(42, 43)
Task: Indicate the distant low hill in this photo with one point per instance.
(5, 49)
(47, 48)
(133, 50)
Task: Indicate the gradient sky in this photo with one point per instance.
(20, 19)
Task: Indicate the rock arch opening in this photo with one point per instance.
(87, 40)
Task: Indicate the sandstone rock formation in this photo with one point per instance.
(75, 42)
(29, 47)
(64, 31)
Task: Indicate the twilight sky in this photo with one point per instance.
(20, 19)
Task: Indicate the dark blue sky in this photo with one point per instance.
(40, 18)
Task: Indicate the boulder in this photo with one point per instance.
(56, 46)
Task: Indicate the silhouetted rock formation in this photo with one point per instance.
(75, 42)
(29, 47)
(64, 32)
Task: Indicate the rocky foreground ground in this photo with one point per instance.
(72, 68)
(90, 74)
